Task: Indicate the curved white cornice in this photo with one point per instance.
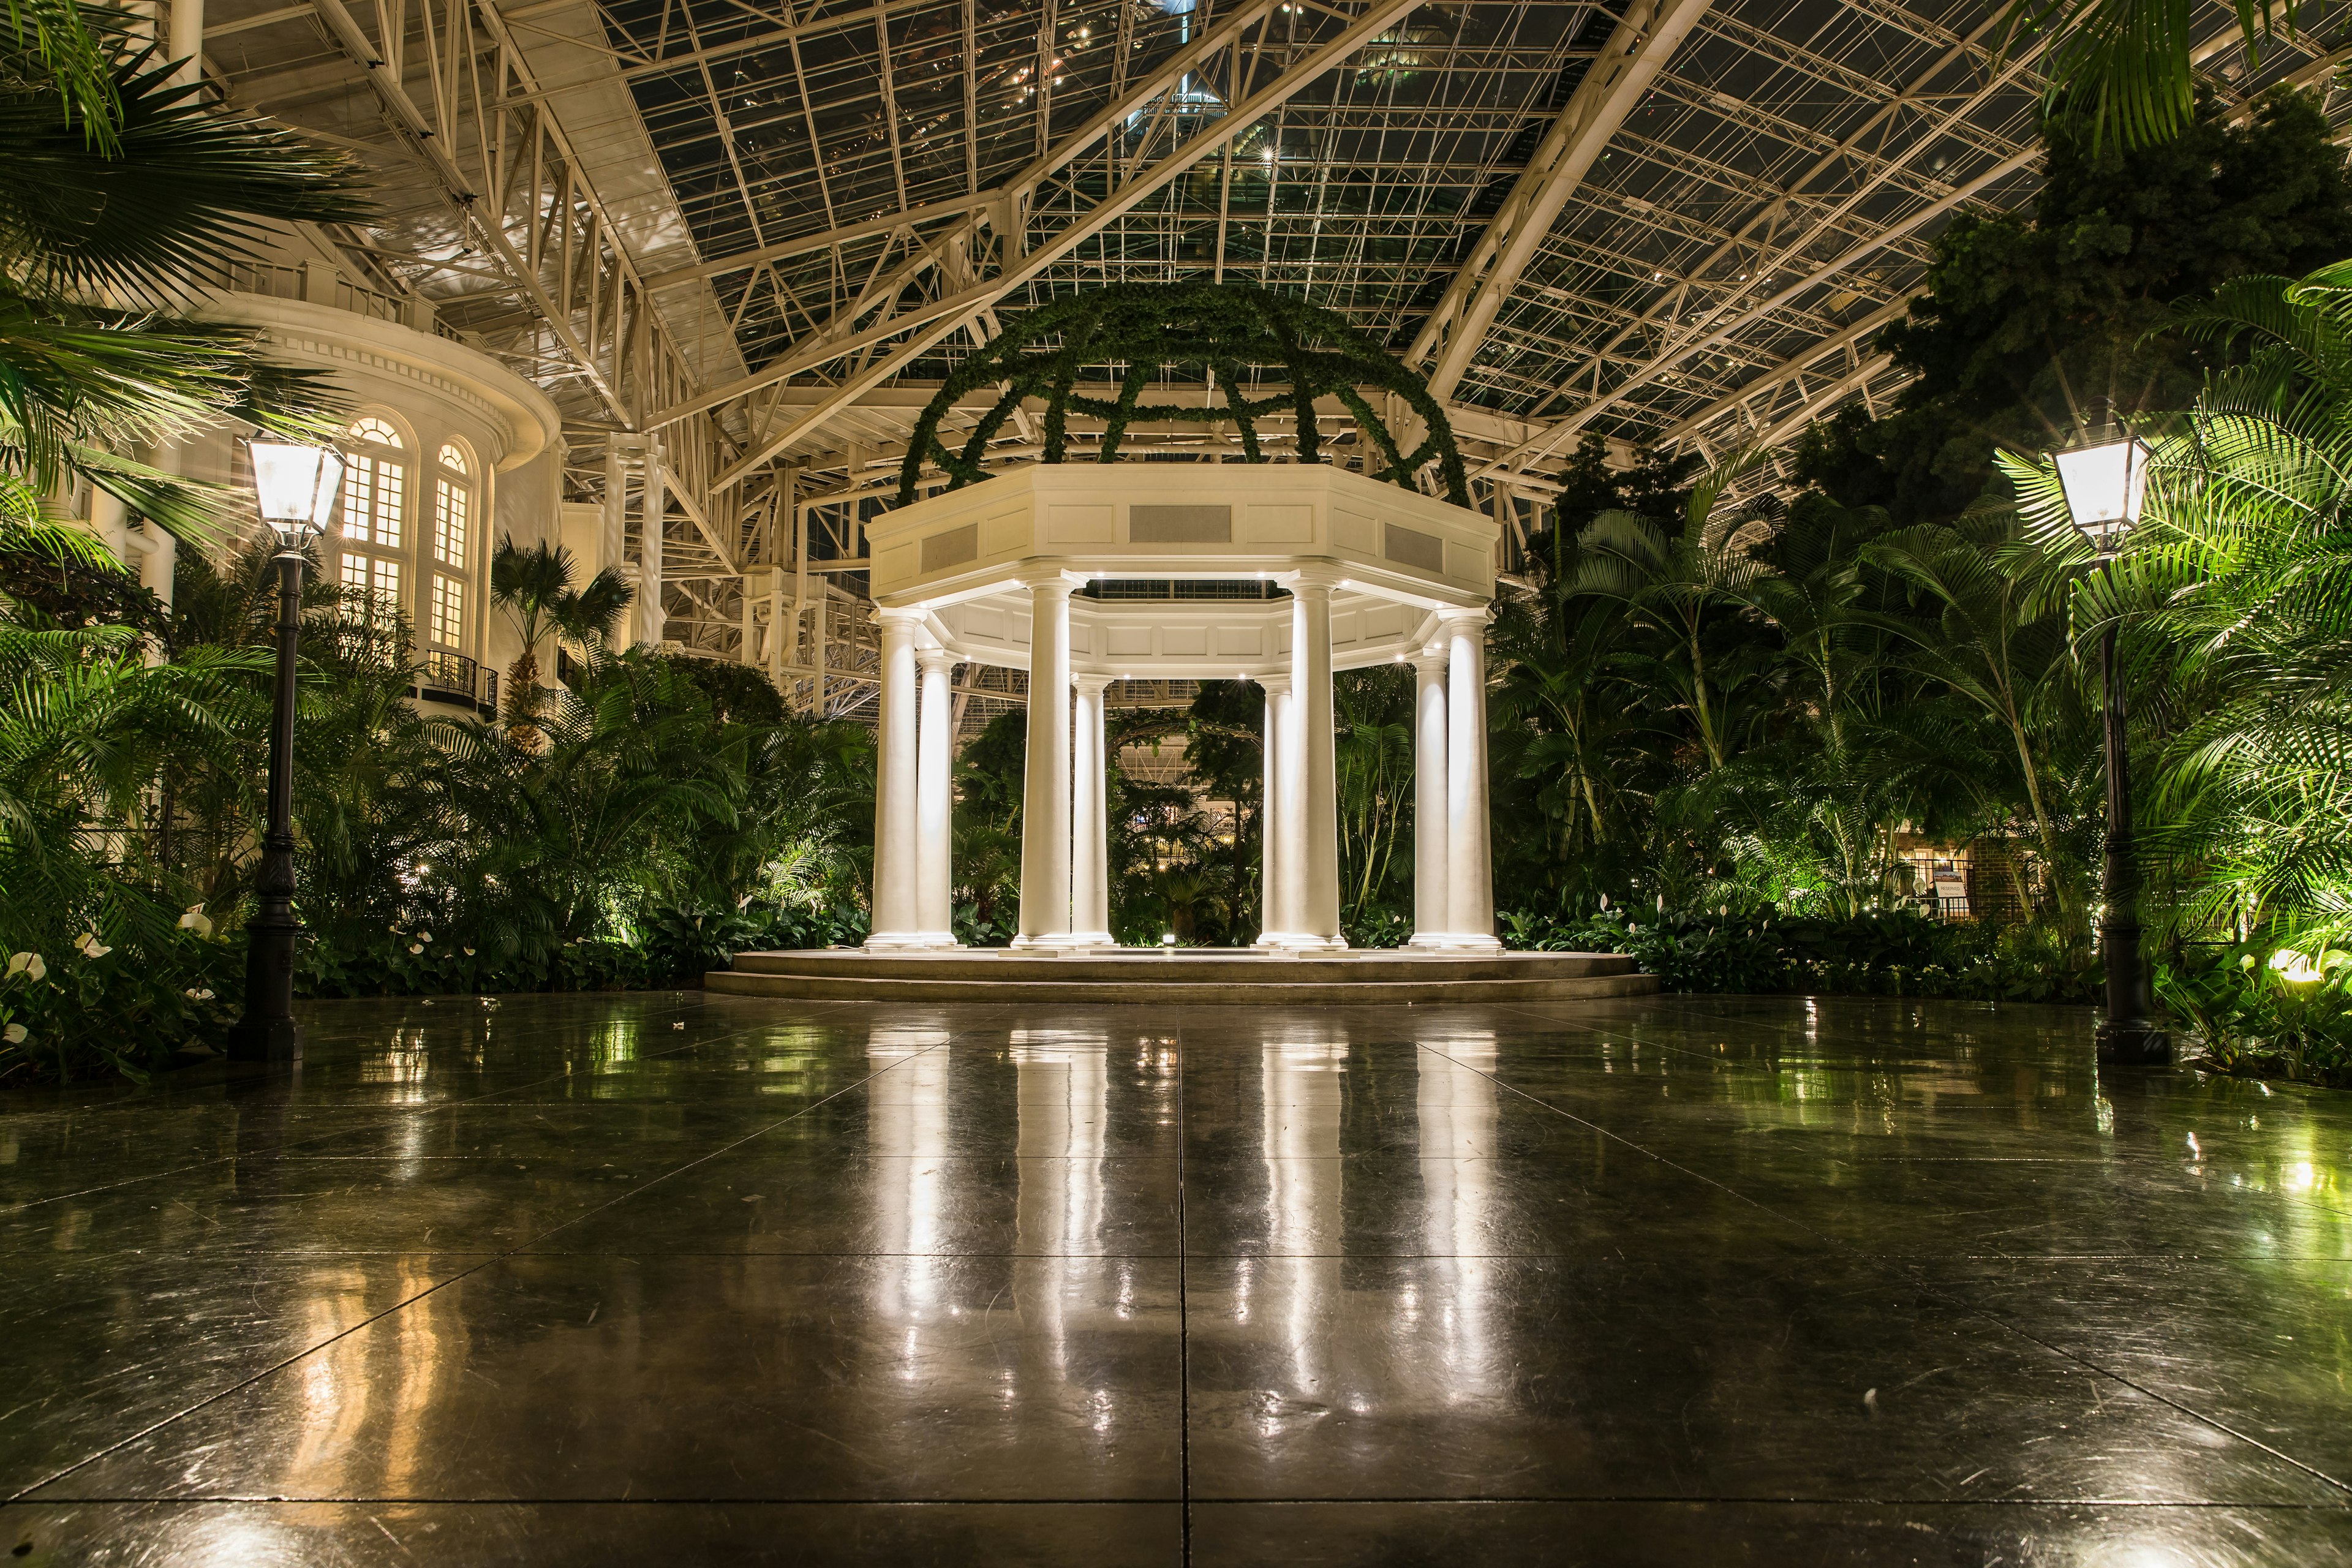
(318, 336)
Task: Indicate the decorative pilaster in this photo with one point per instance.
(1090, 817)
(1432, 911)
(1045, 800)
(1470, 873)
(935, 802)
(896, 908)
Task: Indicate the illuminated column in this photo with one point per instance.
(1431, 900)
(1274, 815)
(1090, 817)
(1315, 891)
(935, 802)
(1470, 912)
(896, 903)
(1046, 799)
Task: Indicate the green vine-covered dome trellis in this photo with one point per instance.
(1224, 329)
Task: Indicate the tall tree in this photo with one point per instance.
(2034, 323)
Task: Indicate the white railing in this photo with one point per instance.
(321, 283)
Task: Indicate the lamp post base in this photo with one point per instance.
(2133, 1042)
(275, 1041)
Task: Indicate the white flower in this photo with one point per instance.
(14, 1034)
(469, 953)
(29, 963)
(424, 936)
(196, 920)
(417, 947)
(91, 947)
(195, 995)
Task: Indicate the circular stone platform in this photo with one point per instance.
(1199, 975)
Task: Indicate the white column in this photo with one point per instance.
(187, 40)
(896, 905)
(935, 802)
(1046, 798)
(1317, 890)
(615, 518)
(655, 504)
(1431, 900)
(1470, 873)
(1275, 816)
(1090, 817)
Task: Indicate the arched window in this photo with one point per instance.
(453, 517)
(375, 511)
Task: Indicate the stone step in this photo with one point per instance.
(1184, 965)
(1194, 979)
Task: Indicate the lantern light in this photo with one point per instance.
(2106, 483)
(297, 485)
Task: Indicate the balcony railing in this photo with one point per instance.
(460, 681)
(321, 284)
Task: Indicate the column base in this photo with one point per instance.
(1447, 941)
(912, 941)
(1300, 942)
(1090, 939)
(1050, 942)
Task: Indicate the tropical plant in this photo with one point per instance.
(1683, 580)
(533, 583)
(124, 183)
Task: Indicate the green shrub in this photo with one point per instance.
(1885, 953)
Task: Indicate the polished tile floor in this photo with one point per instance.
(682, 1279)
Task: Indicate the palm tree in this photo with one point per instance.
(2127, 65)
(121, 183)
(1683, 583)
(533, 584)
(2242, 573)
(1992, 638)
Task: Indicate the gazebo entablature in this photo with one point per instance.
(990, 575)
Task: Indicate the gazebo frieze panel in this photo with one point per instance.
(1203, 521)
(1182, 641)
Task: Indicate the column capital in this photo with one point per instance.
(1091, 685)
(1050, 584)
(897, 618)
(1435, 656)
(1318, 580)
(930, 658)
(1459, 617)
(1273, 685)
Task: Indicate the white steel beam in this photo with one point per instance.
(1789, 370)
(932, 320)
(1636, 51)
(1657, 365)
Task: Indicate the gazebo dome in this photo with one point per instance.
(1229, 337)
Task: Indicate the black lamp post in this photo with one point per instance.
(2104, 484)
(297, 487)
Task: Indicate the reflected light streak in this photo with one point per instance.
(1062, 1089)
(908, 1125)
(1458, 1116)
(1300, 1143)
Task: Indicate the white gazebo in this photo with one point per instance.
(991, 574)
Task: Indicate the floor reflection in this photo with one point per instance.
(1858, 1253)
